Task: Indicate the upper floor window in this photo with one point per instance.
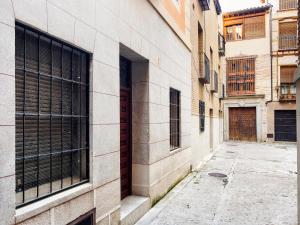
(246, 28)
(287, 4)
(288, 35)
(287, 85)
(240, 76)
(174, 119)
(52, 148)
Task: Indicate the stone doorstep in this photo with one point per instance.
(133, 208)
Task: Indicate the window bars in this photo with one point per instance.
(241, 76)
(52, 147)
(202, 115)
(174, 119)
(287, 4)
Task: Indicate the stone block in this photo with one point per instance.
(69, 211)
(159, 150)
(106, 168)
(158, 113)
(7, 149)
(105, 139)
(106, 21)
(158, 132)
(7, 200)
(105, 79)
(140, 133)
(105, 108)
(115, 217)
(107, 198)
(84, 36)
(104, 221)
(7, 100)
(106, 50)
(81, 9)
(33, 12)
(7, 13)
(41, 219)
(140, 153)
(60, 23)
(7, 46)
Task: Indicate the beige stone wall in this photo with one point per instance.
(209, 22)
(99, 27)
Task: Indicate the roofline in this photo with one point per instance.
(247, 11)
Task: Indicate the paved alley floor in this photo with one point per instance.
(260, 189)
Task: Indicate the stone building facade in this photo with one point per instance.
(134, 74)
(207, 75)
(284, 63)
(248, 73)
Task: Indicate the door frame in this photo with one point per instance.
(259, 116)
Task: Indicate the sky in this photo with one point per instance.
(231, 5)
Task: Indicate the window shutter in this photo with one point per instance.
(289, 28)
(254, 27)
(287, 74)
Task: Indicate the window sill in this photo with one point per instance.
(43, 205)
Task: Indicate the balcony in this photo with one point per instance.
(287, 42)
(204, 68)
(287, 92)
(215, 82)
(204, 4)
(221, 40)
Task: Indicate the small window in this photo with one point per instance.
(202, 115)
(174, 119)
(87, 219)
(52, 89)
(288, 35)
(234, 32)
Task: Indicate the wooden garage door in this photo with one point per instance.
(242, 124)
(285, 125)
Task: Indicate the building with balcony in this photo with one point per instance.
(95, 108)
(208, 46)
(247, 64)
(282, 108)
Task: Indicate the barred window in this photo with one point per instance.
(174, 119)
(240, 76)
(287, 4)
(202, 115)
(288, 35)
(52, 148)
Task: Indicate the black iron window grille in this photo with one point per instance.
(202, 115)
(52, 86)
(174, 119)
(207, 69)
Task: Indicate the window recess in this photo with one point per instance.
(174, 119)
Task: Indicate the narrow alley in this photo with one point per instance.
(243, 183)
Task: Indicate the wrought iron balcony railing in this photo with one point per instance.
(204, 68)
(287, 42)
(221, 45)
(287, 4)
(287, 92)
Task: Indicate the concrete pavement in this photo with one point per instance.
(260, 189)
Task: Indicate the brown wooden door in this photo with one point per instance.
(125, 143)
(242, 124)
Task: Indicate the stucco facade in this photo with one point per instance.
(204, 142)
(261, 55)
(160, 59)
